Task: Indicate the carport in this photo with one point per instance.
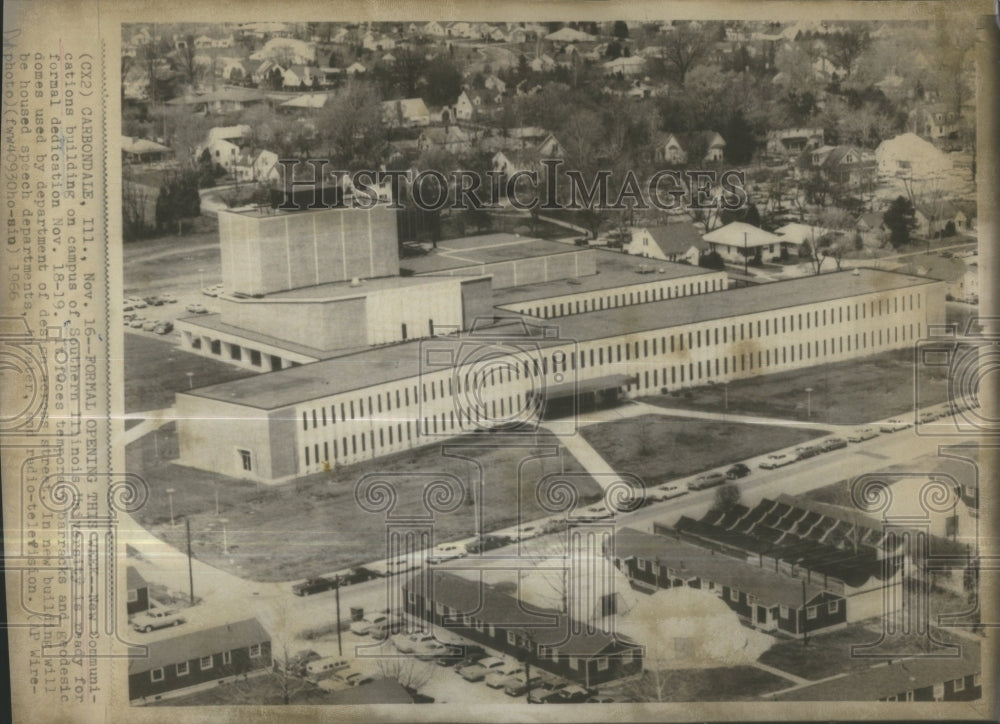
(579, 396)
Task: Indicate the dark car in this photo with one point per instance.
(807, 451)
(314, 585)
(519, 686)
(739, 470)
(545, 692)
(357, 575)
(570, 695)
(471, 657)
(488, 543)
(834, 443)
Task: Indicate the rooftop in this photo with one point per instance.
(400, 361)
(740, 234)
(614, 270)
(196, 644)
(345, 289)
(485, 249)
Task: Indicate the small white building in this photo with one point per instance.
(680, 242)
(910, 156)
(739, 240)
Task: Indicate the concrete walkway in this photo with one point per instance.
(151, 420)
(799, 681)
(648, 409)
(603, 474)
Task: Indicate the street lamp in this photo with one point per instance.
(170, 497)
(225, 541)
(725, 397)
(190, 376)
(201, 278)
(809, 402)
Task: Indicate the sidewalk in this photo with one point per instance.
(151, 420)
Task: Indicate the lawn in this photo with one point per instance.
(732, 683)
(264, 689)
(829, 654)
(315, 525)
(844, 393)
(657, 448)
(155, 370)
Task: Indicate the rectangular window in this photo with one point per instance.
(254, 651)
(783, 611)
(133, 595)
(958, 685)
(627, 656)
(205, 663)
(640, 564)
(833, 607)
(511, 638)
(156, 675)
(227, 657)
(602, 663)
(811, 613)
(182, 669)
(245, 460)
(938, 692)
(734, 595)
(574, 663)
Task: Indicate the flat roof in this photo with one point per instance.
(214, 323)
(485, 249)
(614, 270)
(347, 289)
(378, 365)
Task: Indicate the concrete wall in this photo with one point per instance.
(212, 432)
(333, 324)
(477, 301)
(517, 272)
(268, 253)
(417, 307)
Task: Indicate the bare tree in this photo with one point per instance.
(684, 48)
(411, 673)
(288, 683)
(186, 60)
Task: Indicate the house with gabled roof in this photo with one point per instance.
(546, 638)
(198, 660)
(677, 242)
(676, 148)
(448, 138)
(933, 216)
(406, 112)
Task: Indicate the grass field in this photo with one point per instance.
(732, 683)
(829, 654)
(155, 370)
(658, 448)
(315, 525)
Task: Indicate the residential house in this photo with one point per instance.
(676, 148)
(142, 150)
(871, 227)
(840, 164)
(355, 68)
(542, 64)
(138, 591)
(287, 51)
(433, 28)
(514, 160)
(625, 67)
(792, 141)
(198, 660)
(299, 76)
(737, 241)
(937, 122)
(255, 166)
(935, 217)
(263, 71)
(569, 35)
(548, 639)
(373, 42)
(463, 108)
(907, 678)
(953, 272)
(449, 138)
(965, 217)
(495, 84)
(235, 70)
(678, 242)
(910, 156)
(406, 112)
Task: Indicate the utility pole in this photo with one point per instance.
(187, 525)
(805, 618)
(340, 647)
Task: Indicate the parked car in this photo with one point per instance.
(156, 618)
(666, 492)
(431, 650)
(862, 434)
(595, 512)
(464, 656)
(894, 425)
(137, 323)
(387, 628)
(314, 585)
(807, 451)
(168, 298)
(128, 306)
(136, 303)
(210, 291)
(164, 327)
(739, 470)
(707, 480)
(296, 664)
(360, 574)
(449, 657)
(325, 666)
(519, 686)
(571, 694)
(833, 443)
(149, 325)
(544, 692)
(197, 309)
(447, 552)
(366, 624)
(926, 417)
(153, 301)
(488, 543)
(777, 460)
(497, 679)
(479, 670)
(408, 643)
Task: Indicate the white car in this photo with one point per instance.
(777, 460)
(197, 309)
(156, 618)
(596, 512)
(409, 643)
(894, 425)
(862, 434)
(365, 625)
(447, 552)
(496, 679)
